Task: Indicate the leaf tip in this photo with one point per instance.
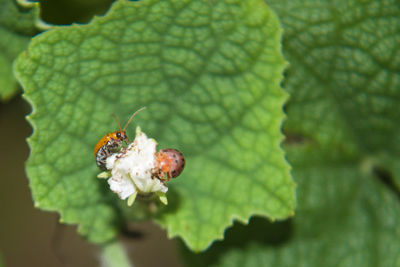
(131, 199)
(104, 175)
(163, 198)
(42, 25)
(28, 4)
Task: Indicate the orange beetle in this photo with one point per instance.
(111, 142)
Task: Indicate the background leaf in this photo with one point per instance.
(209, 75)
(343, 218)
(17, 26)
(343, 141)
(345, 82)
(344, 77)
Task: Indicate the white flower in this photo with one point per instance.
(133, 168)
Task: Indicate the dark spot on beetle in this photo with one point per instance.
(174, 172)
(183, 160)
(174, 155)
(176, 161)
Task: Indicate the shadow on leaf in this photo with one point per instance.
(259, 230)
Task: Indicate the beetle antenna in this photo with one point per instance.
(133, 115)
(115, 117)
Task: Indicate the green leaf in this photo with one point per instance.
(344, 218)
(344, 76)
(342, 135)
(209, 74)
(17, 26)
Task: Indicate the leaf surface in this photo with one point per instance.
(208, 73)
(343, 218)
(343, 141)
(344, 78)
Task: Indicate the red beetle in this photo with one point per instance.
(170, 162)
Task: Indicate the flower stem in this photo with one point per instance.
(114, 255)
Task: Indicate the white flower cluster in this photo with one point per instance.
(132, 170)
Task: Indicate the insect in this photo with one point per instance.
(170, 162)
(110, 143)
